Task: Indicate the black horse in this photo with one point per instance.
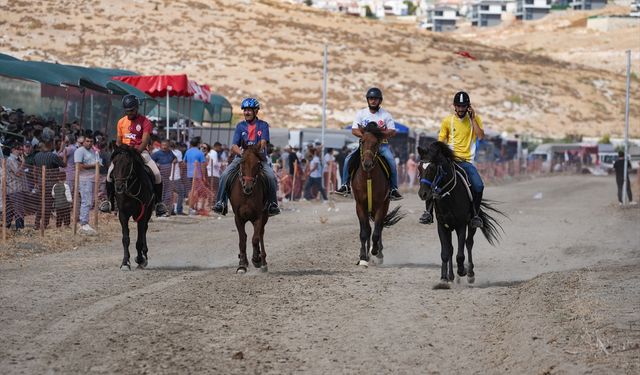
(444, 182)
(135, 199)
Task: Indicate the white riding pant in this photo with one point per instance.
(148, 162)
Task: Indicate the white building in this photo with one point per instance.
(635, 9)
(532, 9)
(441, 18)
(587, 4)
(489, 12)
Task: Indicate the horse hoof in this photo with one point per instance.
(264, 268)
(256, 264)
(125, 267)
(374, 251)
(462, 273)
(443, 284)
(471, 279)
(241, 270)
(363, 263)
(379, 259)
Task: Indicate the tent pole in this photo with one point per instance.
(189, 117)
(106, 126)
(82, 108)
(168, 128)
(66, 104)
(92, 113)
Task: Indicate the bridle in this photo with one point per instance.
(374, 155)
(123, 187)
(248, 182)
(441, 173)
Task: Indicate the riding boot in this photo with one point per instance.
(427, 216)
(110, 204)
(476, 221)
(161, 210)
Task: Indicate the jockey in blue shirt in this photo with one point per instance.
(251, 131)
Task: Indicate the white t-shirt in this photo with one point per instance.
(317, 172)
(86, 157)
(175, 170)
(382, 118)
(213, 168)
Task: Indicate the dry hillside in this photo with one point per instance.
(274, 51)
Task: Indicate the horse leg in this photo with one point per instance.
(141, 244)
(471, 276)
(242, 244)
(256, 259)
(376, 238)
(365, 234)
(461, 233)
(446, 254)
(124, 224)
(263, 253)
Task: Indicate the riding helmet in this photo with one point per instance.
(374, 92)
(461, 99)
(130, 102)
(251, 103)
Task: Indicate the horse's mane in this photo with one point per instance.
(373, 128)
(128, 152)
(444, 151)
(255, 149)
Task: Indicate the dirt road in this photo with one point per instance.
(559, 295)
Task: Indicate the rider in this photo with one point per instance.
(134, 130)
(462, 131)
(388, 127)
(251, 131)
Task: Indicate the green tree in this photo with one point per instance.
(411, 7)
(368, 13)
(308, 2)
(606, 139)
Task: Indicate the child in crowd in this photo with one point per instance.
(62, 201)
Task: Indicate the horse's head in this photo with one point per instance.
(250, 167)
(124, 171)
(435, 169)
(369, 145)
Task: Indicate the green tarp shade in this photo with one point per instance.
(219, 108)
(57, 75)
(116, 72)
(7, 57)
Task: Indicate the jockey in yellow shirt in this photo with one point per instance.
(461, 131)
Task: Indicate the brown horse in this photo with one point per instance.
(248, 194)
(370, 186)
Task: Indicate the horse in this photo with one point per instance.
(370, 188)
(135, 199)
(248, 193)
(442, 180)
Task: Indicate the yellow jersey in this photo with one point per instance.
(458, 134)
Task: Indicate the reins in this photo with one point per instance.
(128, 193)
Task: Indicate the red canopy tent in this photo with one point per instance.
(168, 85)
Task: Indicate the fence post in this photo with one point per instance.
(76, 182)
(42, 200)
(4, 200)
(96, 189)
(293, 183)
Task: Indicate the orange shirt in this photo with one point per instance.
(130, 131)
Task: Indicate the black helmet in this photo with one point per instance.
(130, 102)
(374, 92)
(461, 99)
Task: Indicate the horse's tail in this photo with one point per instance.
(490, 224)
(392, 217)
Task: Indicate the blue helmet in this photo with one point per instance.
(250, 103)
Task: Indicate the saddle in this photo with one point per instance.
(354, 164)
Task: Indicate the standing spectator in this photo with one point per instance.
(165, 159)
(214, 166)
(15, 187)
(178, 182)
(70, 149)
(315, 176)
(85, 159)
(344, 151)
(62, 200)
(412, 170)
(193, 155)
(618, 166)
(329, 170)
(51, 162)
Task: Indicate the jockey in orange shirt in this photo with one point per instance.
(134, 130)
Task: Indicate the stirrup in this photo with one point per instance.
(273, 209)
(395, 195)
(344, 190)
(161, 210)
(426, 218)
(105, 206)
(219, 208)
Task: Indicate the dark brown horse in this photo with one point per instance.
(370, 186)
(134, 195)
(248, 194)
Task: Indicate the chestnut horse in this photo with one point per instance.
(370, 187)
(248, 193)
